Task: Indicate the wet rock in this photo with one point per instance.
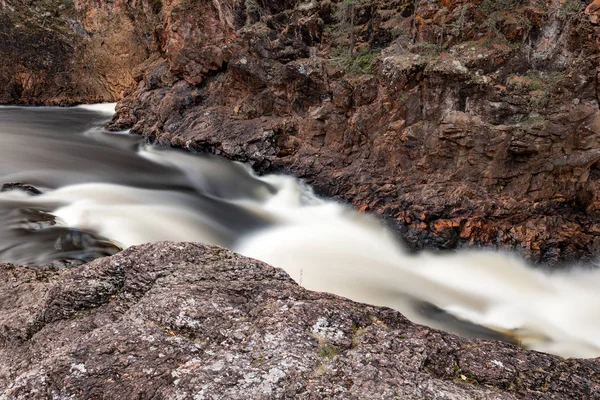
(34, 238)
(194, 321)
(27, 188)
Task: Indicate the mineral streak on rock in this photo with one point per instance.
(191, 321)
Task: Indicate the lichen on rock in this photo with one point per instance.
(189, 321)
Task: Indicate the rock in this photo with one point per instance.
(27, 188)
(593, 11)
(192, 321)
(80, 52)
(485, 113)
(464, 124)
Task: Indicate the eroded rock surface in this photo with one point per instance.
(190, 321)
(58, 52)
(461, 122)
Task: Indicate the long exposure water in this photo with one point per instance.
(73, 192)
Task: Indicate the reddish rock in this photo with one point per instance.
(593, 11)
(63, 53)
(455, 120)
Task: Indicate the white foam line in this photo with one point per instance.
(106, 108)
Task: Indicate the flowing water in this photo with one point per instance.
(101, 192)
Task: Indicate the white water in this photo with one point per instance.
(326, 247)
(329, 247)
(104, 108)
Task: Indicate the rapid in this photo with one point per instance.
(74, 192)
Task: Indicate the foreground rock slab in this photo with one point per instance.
(191, 321)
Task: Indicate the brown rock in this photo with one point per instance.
(77, 52)
(464, 130)
(593, 11)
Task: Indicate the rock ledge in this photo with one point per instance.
(191, 321)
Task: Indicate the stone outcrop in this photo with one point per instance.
(57, 52)
(189, 321)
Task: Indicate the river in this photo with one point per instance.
(73, 192)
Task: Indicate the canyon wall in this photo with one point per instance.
(60, 52)
(459, 122)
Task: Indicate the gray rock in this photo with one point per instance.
(191, 321)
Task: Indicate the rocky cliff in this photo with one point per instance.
(189, 321)
(460, 122)
(60, 52)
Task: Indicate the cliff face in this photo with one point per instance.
(188, 321)
(58, 52)
(460, 122)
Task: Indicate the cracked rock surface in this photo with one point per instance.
(191, 321)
